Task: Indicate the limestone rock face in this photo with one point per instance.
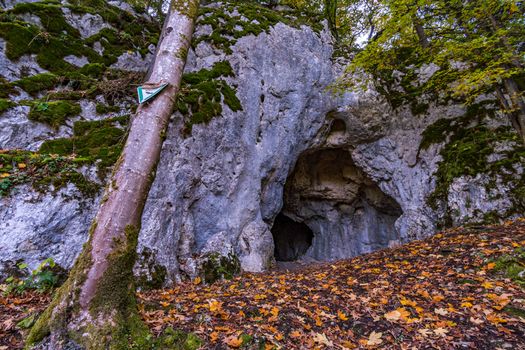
(35, 226)
(296, 173)
(227, 178)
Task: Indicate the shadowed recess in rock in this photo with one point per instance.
(338, 212)
(292, 239)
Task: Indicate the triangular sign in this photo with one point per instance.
(147, 93)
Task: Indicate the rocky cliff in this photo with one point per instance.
(261, 161)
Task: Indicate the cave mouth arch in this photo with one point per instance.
(291, 238)
(332, 210)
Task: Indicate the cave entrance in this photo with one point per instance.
(292, 239)
(332, 210)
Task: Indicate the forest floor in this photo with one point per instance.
(460, 289)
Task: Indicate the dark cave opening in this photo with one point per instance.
(292, 239)
(338, 211)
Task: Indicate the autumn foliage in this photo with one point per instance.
(444, 292)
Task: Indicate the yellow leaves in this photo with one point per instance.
(164, 303)
(407, 302)
(341, 315)
(197, 280)
(487, 285)
(318, 321)
(437, 298)
(260, 297)
(22, 165)
(4, 175)
(215, 306)
(275, 311)
(466, 304)
(233, 341)
(500, 300)
(495, 319)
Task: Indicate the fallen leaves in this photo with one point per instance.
(374, 339)
(439, 291)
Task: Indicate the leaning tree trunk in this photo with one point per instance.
(96, 307)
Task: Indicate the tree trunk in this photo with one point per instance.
(518, 106)
(95, 308)
(330, 8)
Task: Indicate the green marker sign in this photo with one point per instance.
(146, 93)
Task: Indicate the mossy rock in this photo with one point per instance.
(215, 267)
(227, 29)
(37, 83)
(468, 144)
(6, 104)
(203, 92)
(41, 171)
(53, 113)
(98, 142)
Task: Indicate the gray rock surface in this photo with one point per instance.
(35, 226)
(87, 24)
(11, 71)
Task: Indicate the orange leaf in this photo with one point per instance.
(490, 266)
(342, 315)
(295, 334)
(275, 311)
(214, 336)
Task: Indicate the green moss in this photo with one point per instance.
(178, 340)
(58, 39)
(50, 14)
(467, 152)
(37, 83)
(468, 145)
(106, 109)
(514, 311)
(95, 141)
(94, 70)
(41, 171)
(5, 105)
(202, 93)
(115, 295)
(6, 89)
(227, 29)
(156, 275)
(512, 266)
(216, 267)
(53, 113)
(188, 8)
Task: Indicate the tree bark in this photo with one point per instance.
(518, 106)
(95, 308)
(330, 7)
